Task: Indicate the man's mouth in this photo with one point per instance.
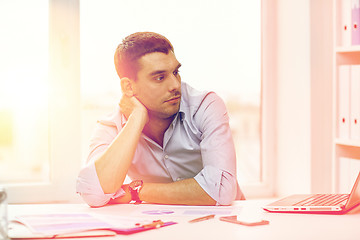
(174, 99)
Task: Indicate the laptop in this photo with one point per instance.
(318, 203)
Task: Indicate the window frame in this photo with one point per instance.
(265, 188)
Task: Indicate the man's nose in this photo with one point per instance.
(175, 83)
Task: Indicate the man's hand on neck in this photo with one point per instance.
(131, 105)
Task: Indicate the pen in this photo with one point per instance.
(233, 219)
(202, 218)
(154, 224)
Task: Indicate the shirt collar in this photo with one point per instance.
(181, 112)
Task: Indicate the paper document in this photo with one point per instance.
(54, 224)
(67, 223)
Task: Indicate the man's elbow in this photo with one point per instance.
(225, 201)
(94, 200)
(227, 193)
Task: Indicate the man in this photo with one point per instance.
(171, 140)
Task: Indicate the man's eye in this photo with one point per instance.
(176, 72)
(159, 78)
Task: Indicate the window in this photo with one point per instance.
(217, 42)
(39, 66)
(23, 91)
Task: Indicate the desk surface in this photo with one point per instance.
(282, 225)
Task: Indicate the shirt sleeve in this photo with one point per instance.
(88, 185)
(218, 176)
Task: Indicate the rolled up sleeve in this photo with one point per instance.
(220, 185)
(88, 186)
(218, 176)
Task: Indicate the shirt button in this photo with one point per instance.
(166, 157)
(178, 179)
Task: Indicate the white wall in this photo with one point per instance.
(293, 101)
(303, 68)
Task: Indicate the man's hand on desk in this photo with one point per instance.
(123, 199)
(184, 192)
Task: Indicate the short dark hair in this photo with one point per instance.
(134, 47)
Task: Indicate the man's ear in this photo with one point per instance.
(127, 86)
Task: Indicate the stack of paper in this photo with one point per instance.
(65, 225)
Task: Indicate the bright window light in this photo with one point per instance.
(24, 151)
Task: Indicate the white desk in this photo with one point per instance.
(282, 226)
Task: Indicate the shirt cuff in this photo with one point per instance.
(220, 185)
(88, 186)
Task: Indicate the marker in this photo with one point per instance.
(202, 218)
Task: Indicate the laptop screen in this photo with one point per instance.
(354, 197)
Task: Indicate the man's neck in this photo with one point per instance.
(156, 128)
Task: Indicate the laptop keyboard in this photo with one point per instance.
(324, 200)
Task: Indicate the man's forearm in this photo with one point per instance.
(113, 164)
(184, 192)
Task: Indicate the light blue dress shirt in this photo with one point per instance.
(198, 144)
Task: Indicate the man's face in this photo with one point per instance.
(158, 84)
